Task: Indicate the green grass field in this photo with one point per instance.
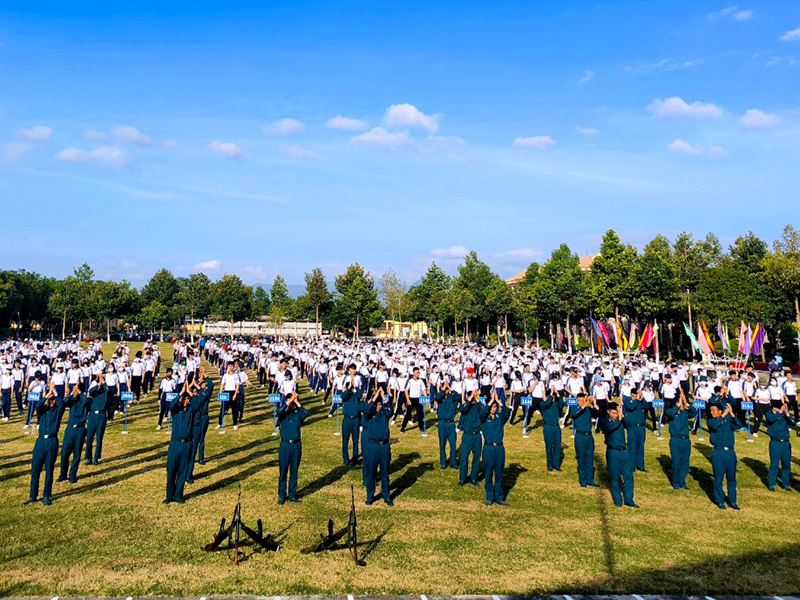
(109, 534)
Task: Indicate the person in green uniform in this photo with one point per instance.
(470, 425)
(551, 415)
(493, 421)
(204, 389)
(582, 416)
(678, 414)
(636, 424)
(45, 450)
(721, 425)
(96, 421)
(363, 407)
(378, 451)
(75, 432)
(780, 449)
(446, 402)
(179, 456)
(351, 397)
(290, 417)
(617, 456)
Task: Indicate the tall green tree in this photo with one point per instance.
(261, 302)
(475, 277)
(393, 293)
(230, 299)
(690, 258)
(526, 300)
(357, 305)
(782, 271)
(500, 304)
(611, 282)
(562, 278)
(193, 297)
(112, 300)
(317, 293)
(430, 296)
(654, 281)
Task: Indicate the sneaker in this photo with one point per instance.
(46, 501)
(236, 427)
(26, 426)
(755, 435)
(158, 427)
(329, 415)
(217, 426)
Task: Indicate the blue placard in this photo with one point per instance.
(223, 396)
(701, 404)
(658, 404)
(34, 397)
(482, 399)
(337, 399)
(747, 406)
(126, 396)
(425, 400)
(572, 402)
(170, 396)
(276, 398)
(526, 401)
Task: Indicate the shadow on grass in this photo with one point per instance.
(159, 462)
(510, 475)
(329, 478)
(759, 468)
(235, 477)
(666, 466)
(409, 478)
(602, 512)
(705, 480)
(402, 461)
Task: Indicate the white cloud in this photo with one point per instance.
(756, 119)
(516, 254)
(437, 143)
(408, 115)
(791, 36)
(451, 253)
(684, 147)
(14, 151)
(130, 135)
(227, 149)
(589, 131)
(346, 123)
(587, 75)
(789, 61)
(540, 142)
(170, 144)
(662, 66)
(95, 135)
(35, 134)
(151, 195)
(732, 12)
(209, 265)
(257, 273)
(284, 127)
(676, 107)
(378, 136)
(106, 155)
(299, 152)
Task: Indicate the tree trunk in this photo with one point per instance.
(358, 326)
(108, 330)
(797, 320)
(525, 330)
(64, 323)
(80, 331)
(569, 336)
(689, 306)
(192, 325)
(552, 342)
(316, 323)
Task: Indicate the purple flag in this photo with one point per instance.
(722, 335)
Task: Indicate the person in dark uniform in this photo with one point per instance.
(290, 417)
(179, 455)
(205, 390)
(780, 449)
(721, 425)
(45, 451)
(471, 443)
(75, 432)
(351, 399)
(96, 422)
(617, 457)
(582, 416)
(636, 426)
(378, 452)
(551, 415)
(678, 412)
(493, 421)
(447, 401)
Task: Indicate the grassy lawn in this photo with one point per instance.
(109, 534)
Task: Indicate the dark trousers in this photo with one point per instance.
(619, 467)
(18, 395)
(147, 383)
(416, 407)
(95, 428)
(494, 459)
(681, 451)
(723, 463)
(759, 410)
(136, 386)
(237, 408)
(379, 457)
(199, 441)
(793, 406)
(471, 443)
(288, 462)
(350, 426)
(584, 454)
(636, 439)
(552, 446)
(163, 408)
(6, 406)
(45, 453)
(179, 457)
(516, 397)
(780, 456)
(447, 435)
(74, 437)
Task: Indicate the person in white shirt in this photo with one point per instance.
(243, 381)
(6, 388)
(790, 390)
(167, 386)
(230, 386)
(415, 388)
(137, 373)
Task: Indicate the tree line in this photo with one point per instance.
(669, 282)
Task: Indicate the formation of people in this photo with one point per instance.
(380, 385)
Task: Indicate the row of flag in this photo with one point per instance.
(751, 340)
(616, 336)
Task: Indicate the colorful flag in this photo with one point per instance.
(759, 336)
(701, 337)
(727, 339)
(632, 336)
(742, 337)
(748, 341)
(692, 339)
(647, 337)
(621, 339)
(604, 333)
(722, 335)
(706, 335)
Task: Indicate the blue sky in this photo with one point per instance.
(277, 137)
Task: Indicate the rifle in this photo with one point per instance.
(237, 519)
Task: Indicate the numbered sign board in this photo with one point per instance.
(126, 397)
(658, 404)
(275, 398)
(526, 401)
(223, 396)
(701, 404)
(747, 406)
(572, 402)
(170, 396)
(483, 400)
(34, 397)
(337, 398)
(425, 400)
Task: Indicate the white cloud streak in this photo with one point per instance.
(346, 123)
(95, 135)
(305, 153)
(791, 36)
(540, 142)
(35, 134)
(756, 119)
(587, 76)
(378, 136)
(209, 265)
(226, 149)
(408, 115)
(677, 107)
(130, 135)
(284, 127)
(684, 147)
(106, 155)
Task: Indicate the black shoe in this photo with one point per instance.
(771, 488)
(201, 462)
(488, 503)
(475, 483)
(733, 505)
(787, 488)
(593, 484)
(368, 502)
(643, 470)
(30, 501)
(632, 504)
(60, 479)
(190, 480)
(46, 501)
(501, 502)
(166, 501)
(618, 505)
(281, 501)
(294, 500)
(180, 501)
(389, 502)
(721, 506)
(73, 481)
(461, 483)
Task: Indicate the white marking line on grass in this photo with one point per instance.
(567, 597)
(777, 598)
(709, 598)
(349, 597)
(495, 597)
(638, 597)
(423, 597)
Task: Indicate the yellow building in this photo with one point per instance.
(401, 329)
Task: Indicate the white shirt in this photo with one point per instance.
(416, 388)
